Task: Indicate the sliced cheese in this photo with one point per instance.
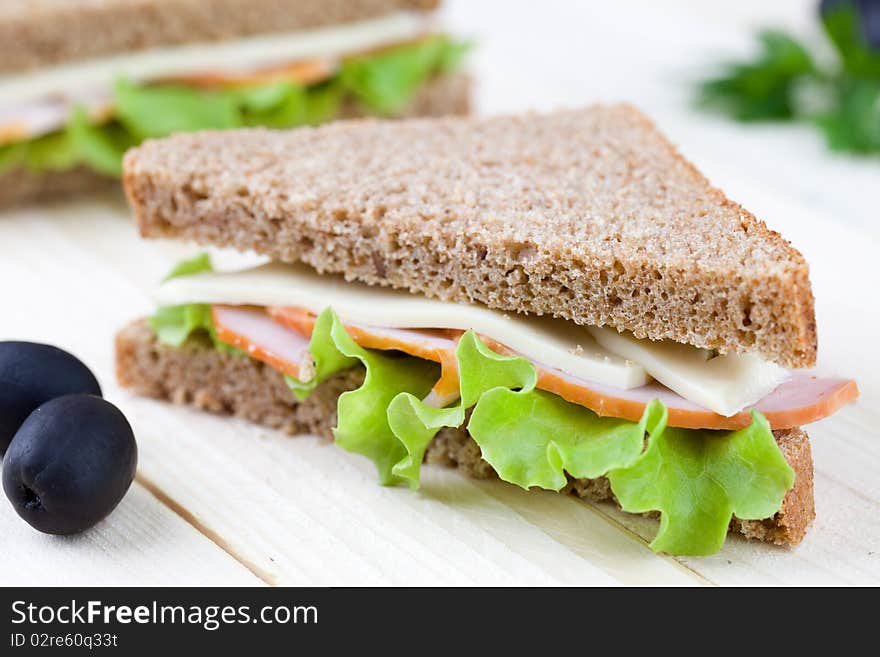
(239, 54)
(556, 343)
(724, 384)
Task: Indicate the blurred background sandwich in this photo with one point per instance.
(82, 81)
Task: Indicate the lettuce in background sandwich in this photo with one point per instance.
(558, 300)
(80, 82)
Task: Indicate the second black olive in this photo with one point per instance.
(70, 464)
(32, 374)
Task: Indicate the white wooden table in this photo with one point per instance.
(218, 501)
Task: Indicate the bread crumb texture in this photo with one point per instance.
(36, 33)
(199, 375)
(589, 214)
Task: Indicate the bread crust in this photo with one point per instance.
(590, 215)
(36, 33)
(198, 375)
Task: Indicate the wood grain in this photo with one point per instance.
(141, 543)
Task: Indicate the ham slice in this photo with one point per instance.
(250, 330)
(278, 336)
(305, 73)
(40, 117)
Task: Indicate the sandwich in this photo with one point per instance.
(81, 82)
(557, 300)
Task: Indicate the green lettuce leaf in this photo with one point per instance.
(480, 369)
(286, 105)
(52, 152)
(415, 424)
(173, 325)
(698, 480)
(323, 103)
(384, 82)
(99, 146)
(451, 55)
(278, 105)
(363, 419)
(266, 97)
(81, 142)
(160, 110)
(195, 265)
(533, 438)
(328, 360)
(12, 155)
(530, 437)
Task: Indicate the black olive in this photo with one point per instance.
(32, 374)
(70, 464)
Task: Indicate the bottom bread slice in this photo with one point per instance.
(199, 375)
(19, 185)
(442, 95)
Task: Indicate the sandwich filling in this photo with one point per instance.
(242, 54)
(541, 407)
(94, 124)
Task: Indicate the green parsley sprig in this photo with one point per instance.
(784, 82)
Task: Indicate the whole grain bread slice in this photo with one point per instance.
(588, 214)
(36, 33)
(199, 375)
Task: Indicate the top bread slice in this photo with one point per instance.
(589, 214)
(37, 33)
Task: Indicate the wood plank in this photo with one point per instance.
(142, 543)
